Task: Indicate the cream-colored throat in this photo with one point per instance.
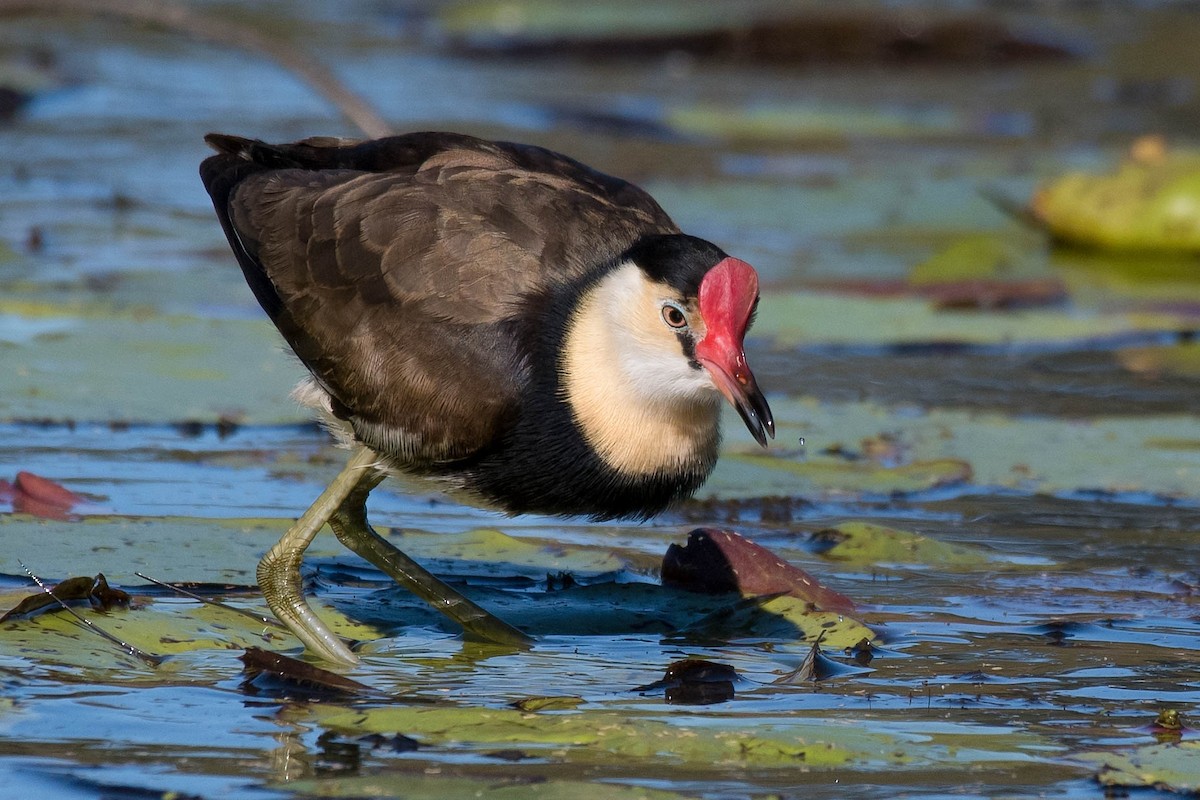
(629, 386)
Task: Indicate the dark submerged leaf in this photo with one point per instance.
(695, 681)
(95, 590)
(722, 561)
(818, 667)
(397, 742)
(279, 675)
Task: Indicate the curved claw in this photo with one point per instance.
(279, 570)
(279, 578)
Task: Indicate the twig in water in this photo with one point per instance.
(210, 602)
(180, 18)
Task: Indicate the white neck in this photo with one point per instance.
(630, 388)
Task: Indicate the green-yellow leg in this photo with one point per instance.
(279, 570)
(343, 506)
(349, 523)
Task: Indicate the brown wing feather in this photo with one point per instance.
(393, 268)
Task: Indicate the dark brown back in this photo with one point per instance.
(395, 267)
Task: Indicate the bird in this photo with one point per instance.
(514, 326)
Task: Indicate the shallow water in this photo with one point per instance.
(1041, 608)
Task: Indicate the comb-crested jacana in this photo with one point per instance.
(495, 316)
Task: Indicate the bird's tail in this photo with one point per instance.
(316, 152)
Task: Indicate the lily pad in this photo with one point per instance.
(1149, 202)
(1023, 452)
(811, 122)
(160, 629)
(781, 618)
(531, 705)
(985, 271)
(871, 544)
(1174, 767)
(1104, 280)
(827, 475)
(598, 736)
(816, 318)
(621, 609)
(417, 785)
(59, 365)
(488, 551)
(166, 548)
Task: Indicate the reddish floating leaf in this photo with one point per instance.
(39, 497)
(44, 490)
(24, 504)
(722, 561)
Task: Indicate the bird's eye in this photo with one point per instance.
(673, 315)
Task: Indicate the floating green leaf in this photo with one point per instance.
(598, 736)
(416, 785)
(1151, 202)
(786, 618)
(547, 19)
(868, 543)
(60, 364)
(531, 705)
(835, 475)
(808, 318)
(1174, 767)
(811, 121)
(166, 548)
(1030, 453)
(974, 257)
(488, 550)
(161, 627)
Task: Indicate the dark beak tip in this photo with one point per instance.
(754, 410)
(766, 421)
(759, 428)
